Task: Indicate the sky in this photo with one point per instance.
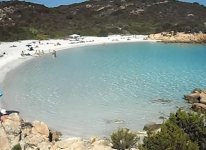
(54, 3)
(199, 1)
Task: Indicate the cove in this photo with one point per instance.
(94, 90)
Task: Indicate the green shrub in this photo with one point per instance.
(171, 137)
(182, 131)
(124, 139)
(17, 147)
(192, 124)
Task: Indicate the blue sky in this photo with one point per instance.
(53, 3)
(199, 1)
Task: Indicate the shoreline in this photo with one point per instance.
(13, 58)
(15, 131)
(13, 50)
(12, 61)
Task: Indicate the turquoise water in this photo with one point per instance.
(94, 90)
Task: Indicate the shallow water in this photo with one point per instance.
(94, 90)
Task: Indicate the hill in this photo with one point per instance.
(25, 20)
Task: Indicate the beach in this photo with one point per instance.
(10, 52)
(134, 71)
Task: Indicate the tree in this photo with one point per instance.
(193, 124)
(171, 137)
(182, 131)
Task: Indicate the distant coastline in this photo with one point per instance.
(179, 37)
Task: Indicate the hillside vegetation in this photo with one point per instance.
(25, 20)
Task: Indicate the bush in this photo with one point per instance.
(124, 139)
(17, 147)
(182, 131)
(171, 137)
(192, 124)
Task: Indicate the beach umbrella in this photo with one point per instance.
(28, 45)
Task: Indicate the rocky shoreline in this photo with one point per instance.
(15, 132)
(179, 37)
(198, 100)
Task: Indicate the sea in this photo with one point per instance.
(94, 90)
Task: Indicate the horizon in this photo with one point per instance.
(56, 3)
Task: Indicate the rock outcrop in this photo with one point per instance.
(198, 99)
(152, 126)
(32, 136)
(4, 141)
(199, 107)
(179, 37)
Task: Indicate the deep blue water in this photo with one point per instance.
(85, 90)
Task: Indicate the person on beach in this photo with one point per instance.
(35, 52)
(31, 49)
(22, 53)
(2, 54)
(2, 114)
(54, 53)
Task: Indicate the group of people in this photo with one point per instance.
(39, 53)
(25, 54)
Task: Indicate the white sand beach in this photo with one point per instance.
(10, 52)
